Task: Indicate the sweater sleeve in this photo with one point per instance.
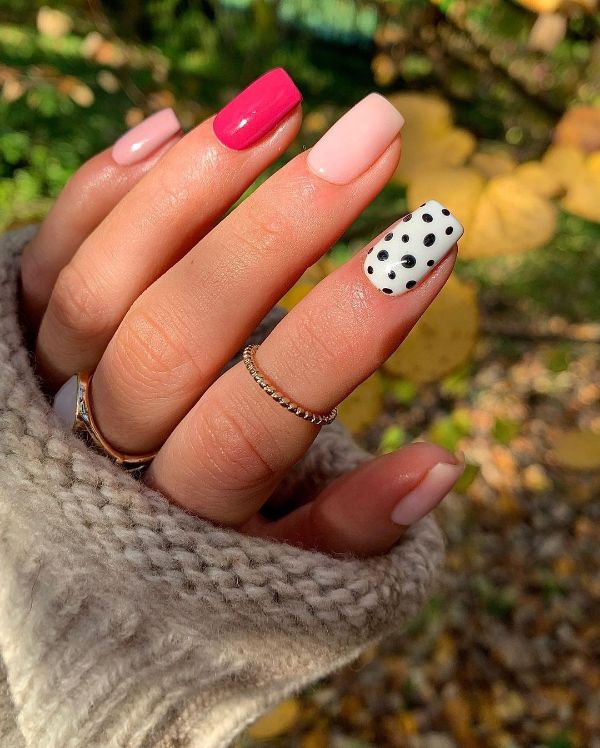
(125, 621)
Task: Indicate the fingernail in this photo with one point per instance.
(412, 248)
(145, 138)
(428, 494)
(356, 140)
(256, 110)
(65, 402)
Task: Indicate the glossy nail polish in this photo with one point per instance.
(356, 140)
(427, 494)
(412, 248)
(256, 110)
(65, 401)
(143, 139)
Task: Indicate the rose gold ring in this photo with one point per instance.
(292, 407)
(84, 425)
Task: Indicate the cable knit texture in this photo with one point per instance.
(125, 621)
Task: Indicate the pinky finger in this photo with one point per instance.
(363, 513)
(87, 198)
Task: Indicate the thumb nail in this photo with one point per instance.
(436, 483)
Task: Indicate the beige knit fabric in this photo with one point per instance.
(125, 621)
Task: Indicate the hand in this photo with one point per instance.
(137, 275)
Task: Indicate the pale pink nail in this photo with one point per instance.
(428, 494)
(356, 140)
(143, 139)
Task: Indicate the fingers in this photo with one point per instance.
(88, 197)
(366, 511)
(233, 447)
(176, 338)
(151, 228)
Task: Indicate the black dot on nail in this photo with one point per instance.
(405, 238)
(387, 290)
(428, 240)
(427, 217)
(383, 255)
(422, 205)
(430, 262)
(391, 275)
(449, 230)
(369, 252)
(410, 284)
(407, 217)
(408, 261)
(389, 236)
(445, 211)
(370, 270)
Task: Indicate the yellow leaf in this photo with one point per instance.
(277, 722)
(583, 194)
(442, 339)
(577, 450)
(493, 164)
(500, 217)
(363, 406)
(509, 218)
(579, 127)
(429, 138)
(579, 176)
(296, 294)
(458, 189)
(538, 178)
(540, 6)
(565, 162)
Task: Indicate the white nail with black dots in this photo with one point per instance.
(412, 248)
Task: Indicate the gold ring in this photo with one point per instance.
(84, 425)
(317, 418)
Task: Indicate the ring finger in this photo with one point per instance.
(232, 449)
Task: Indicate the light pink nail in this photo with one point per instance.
(356, 140)
(428, 494)
(145, 138)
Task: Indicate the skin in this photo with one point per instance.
(135, 274)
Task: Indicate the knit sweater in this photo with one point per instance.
(125, 621)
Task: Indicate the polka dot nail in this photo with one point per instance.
(412, 248)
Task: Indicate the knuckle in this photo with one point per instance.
(78, 306)
(311, 335)
(235, 449)
(262, 230)
(146, 346)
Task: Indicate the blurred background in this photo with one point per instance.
(502, 108)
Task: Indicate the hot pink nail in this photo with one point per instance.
(145, 138)
(256, 110)
(428, 494)
(356, 140)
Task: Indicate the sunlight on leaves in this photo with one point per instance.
(442, 339)
(429, 137)
(363, 406)
(502, 216)
(579, 127)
